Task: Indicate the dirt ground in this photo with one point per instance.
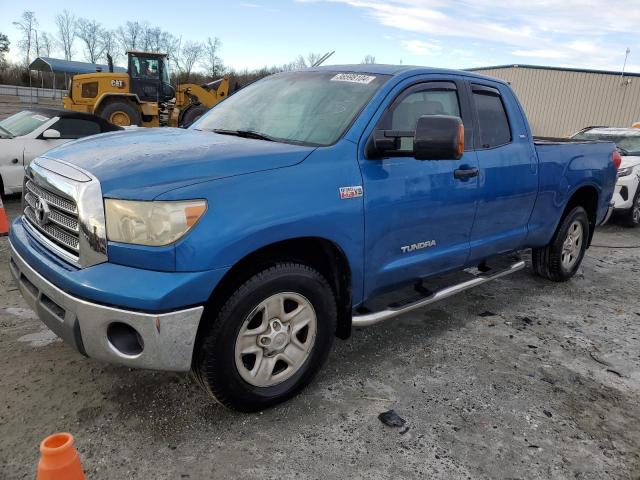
(519, 379)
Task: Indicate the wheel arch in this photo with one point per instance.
(320, 253)
(585, 196)
(108, 96)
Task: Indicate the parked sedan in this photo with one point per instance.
(32, 132)
(627, 194)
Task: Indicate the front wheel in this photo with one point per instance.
(632, 217)
(269, 338)
(560, 260)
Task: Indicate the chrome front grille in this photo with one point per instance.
(53, 215)
(63, 210)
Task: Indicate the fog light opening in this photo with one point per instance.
(125, 339)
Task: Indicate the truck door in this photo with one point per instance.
(418, 215)
(508, 172)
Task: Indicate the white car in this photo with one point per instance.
(30, 133)
(627, 194)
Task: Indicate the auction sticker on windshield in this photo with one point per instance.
(353, 78)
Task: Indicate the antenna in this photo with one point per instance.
(624, 65)
(322, 59)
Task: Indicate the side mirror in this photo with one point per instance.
(50, 134)
(438, 137)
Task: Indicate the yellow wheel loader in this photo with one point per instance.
(143, 95)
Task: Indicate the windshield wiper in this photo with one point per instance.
(245, 134)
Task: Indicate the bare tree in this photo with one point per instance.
(27, 26)
(131, 34)
(46, 44)
(213, 62)
(110, 44)
(368, 59)
(66, 23)
(190, 55)
(171, 46)
(90, 32)
(4, 48)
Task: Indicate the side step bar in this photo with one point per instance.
(367, 319)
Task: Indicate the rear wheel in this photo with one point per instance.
(269, 339)
(121, 113)
(560, 260)
(632, 217)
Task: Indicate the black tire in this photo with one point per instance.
(119, 109)
(192, 114)
(215, 356)
(547, 261)
(631, 218)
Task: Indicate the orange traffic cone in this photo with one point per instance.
(59, 459)
(4, 221)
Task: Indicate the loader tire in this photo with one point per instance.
(192, 114)
(560, 260)
(121, 113)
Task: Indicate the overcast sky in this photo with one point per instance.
(455, 34)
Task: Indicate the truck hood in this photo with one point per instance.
(140, 164)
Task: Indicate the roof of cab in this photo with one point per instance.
(396, 70)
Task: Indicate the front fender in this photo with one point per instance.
(248, 212)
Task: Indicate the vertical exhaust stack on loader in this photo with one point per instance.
(143, 95)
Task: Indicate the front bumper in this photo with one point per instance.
(625, 191)
(165, 340)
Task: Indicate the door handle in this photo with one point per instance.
(465, 173)
(14, 160)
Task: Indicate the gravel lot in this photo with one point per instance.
(521, 378)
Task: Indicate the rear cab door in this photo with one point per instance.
(508, 170)
(418, 215)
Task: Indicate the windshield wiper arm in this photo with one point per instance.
(245, 134)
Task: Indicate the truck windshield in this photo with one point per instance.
(627, 142)
(23, 123)
(307, 108)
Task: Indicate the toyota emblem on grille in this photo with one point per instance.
(42, 212)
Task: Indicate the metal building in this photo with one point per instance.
(561, 101)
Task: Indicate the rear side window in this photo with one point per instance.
(76, 128)
(492, 117)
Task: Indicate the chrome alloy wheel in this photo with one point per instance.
(572, 245)
(275, 339)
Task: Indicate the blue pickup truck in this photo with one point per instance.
(240, 247)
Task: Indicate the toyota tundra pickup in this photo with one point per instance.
(240, 247)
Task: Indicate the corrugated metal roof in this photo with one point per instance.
(560, 69)
(47, 64)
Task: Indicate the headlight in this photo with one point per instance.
(151, 223)
(624, 172)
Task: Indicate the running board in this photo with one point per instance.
(367, 319)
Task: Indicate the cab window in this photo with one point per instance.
(144, 67)
(493, 122)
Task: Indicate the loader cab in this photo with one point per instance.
(149, 76)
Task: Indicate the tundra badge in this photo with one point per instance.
(418, 246)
